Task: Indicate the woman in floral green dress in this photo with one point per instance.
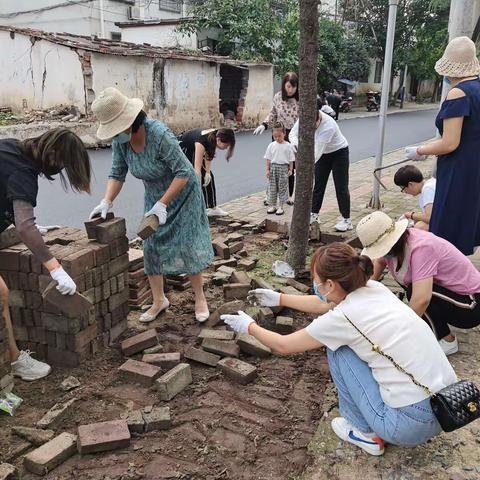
(150, 151)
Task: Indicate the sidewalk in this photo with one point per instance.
(395, 203)
(361, 111)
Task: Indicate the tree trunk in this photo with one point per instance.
(308, 53)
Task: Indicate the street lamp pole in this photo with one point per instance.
(387, 71)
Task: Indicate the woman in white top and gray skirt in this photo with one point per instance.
(378, 402)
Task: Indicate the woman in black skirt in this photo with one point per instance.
(199, 147)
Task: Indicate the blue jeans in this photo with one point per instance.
(361, 404)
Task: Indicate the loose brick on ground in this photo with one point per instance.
(234, 238)
(221, 249)
(220, 347)
(298, 285)
(8, 472)
(247, 264)
(166, 361)
(238, 370)
(33, 435)
(99, 437)
(236, 290)
(134, 420)
(201, 356)
(241, 277)
(265, 315)
(155, 349)
(226, 270)
(228, 307)
(174, 381)
(148, 226)
(261, 283)
(51, 454)
(139, 372)
(236, 247)
(54, 414)
(139, 342)
(157, 419)
(284, 325)
(231, 262)
(218, 334)
(249, 344)
(289, 291)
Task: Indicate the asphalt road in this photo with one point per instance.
(243, 175)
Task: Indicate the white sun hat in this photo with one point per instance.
(459, 59)
(115, 112)
(379, 233)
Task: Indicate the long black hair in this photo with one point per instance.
(225, 135)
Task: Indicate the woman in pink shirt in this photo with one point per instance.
(442, 285)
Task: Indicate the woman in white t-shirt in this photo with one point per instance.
(410, 180)
(331, 156)
(377, 402)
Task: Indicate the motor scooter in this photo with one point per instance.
(373, 101)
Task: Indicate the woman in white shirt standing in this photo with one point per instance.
(377, 402)
(331, 155)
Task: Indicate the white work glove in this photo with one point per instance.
(259, 130)
(238, 323)
(66, 286)
(101, 209)
(412, 154)
(46, 228)
(264, 297)
(207, 179)
(160, 210)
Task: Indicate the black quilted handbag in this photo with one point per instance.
(454, 406)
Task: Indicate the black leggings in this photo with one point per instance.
(441, 312)
(338, 163)
(209, 192)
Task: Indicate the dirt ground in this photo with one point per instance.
(220, 430)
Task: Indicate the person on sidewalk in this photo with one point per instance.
(285, 111)
(456, 210)
(199, 146)
(442, 285)
(21, 163)
(280, 157)
(331, 155)
(410, 180)
(150, 151)
(377, 402)
(334, 100)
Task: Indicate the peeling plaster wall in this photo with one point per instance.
(159, 35)
(258, 100)
(42, 74)
(191, 94)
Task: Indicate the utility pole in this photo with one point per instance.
(387, 72)
(404, 86)
(102, 19)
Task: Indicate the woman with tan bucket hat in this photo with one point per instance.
(456, 209)
(442, 285)
(377, 402)
(150, 151)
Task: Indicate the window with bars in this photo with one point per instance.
(171, 5)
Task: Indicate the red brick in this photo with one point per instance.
(118, 265)
(25, 261)
(100, 437)
(238, 370)
(9, 237)
(61, 324)
(51, 454)
(231, 262)
(13, 280)
(236, 290)
(119, 246)
(148, 226)
(228, 307)
(139, 342)
(80, 341)
(101, 253)
(249, 344)
(241, 277)
(66, 358)
(22, 281)
(220, 347)
(71, 306)
(236, 247)
(78, 262)
(140, 372)
(157, 419)
(117, 330)
(118, 299)
(247, 264)
(217, 334)
(91, 225)
(173, 382)
(9, 259)
(166, 361)
(110, 230)
(221, 249)
(201, 356)
(234, 238)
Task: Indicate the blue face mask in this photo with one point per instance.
(447, 80)
(123, 137)
(321, 296)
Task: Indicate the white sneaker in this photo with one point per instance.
(449, 347)
(27, 368)
(343, 225)
(314, 218)
(216, 212)
(280, 211)
(368, 442)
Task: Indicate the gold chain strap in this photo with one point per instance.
(376, 348)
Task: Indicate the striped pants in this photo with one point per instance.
(278, 184)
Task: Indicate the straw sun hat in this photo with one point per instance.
(115, 112)
(379, 233)
(459, 59)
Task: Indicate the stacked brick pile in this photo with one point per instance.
(139, 289)
(6, 379)
(99, 266)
